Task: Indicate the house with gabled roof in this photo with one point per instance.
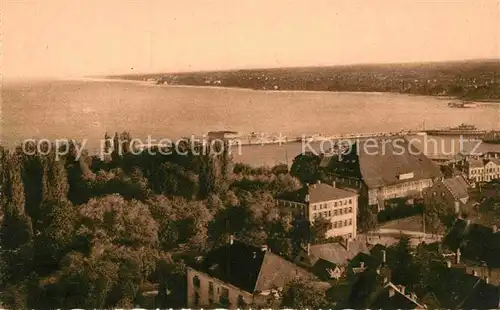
(326, 270)
(394, 296)
(482, 169)
(382, 170)
(237, 275)
(335, 252)
(452, 193)
(453, 287)
(475, 242)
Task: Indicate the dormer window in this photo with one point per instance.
(405, 176)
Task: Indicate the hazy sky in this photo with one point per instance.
(72, 37)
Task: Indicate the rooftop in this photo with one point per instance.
(322, 267)
(457, 186)
(476, 242)
(337, 253)
(250, 268)
(475, 163)
(455, 288)
(385, 162)
(394, 297)
(393, 158)
(318, 192)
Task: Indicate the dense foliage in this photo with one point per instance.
(97, 233)
(475, 80)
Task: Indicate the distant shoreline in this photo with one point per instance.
(151, 83)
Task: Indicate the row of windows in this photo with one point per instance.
(347, 181)
(340, 224)
(481, 171)
(401, 187)
(223, 297)
(486, 178)
(335, 204)
(335, 212)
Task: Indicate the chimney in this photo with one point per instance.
(308, 249)
(448, 264)
(263, 248)
(318, 182)
(457, 207)
(402, 289)
(495, 229)
(333, 183)
(361, 265)
(468, 222)
(487, 279)
(458, 256)
(384, 256)
(254, 255)
(474, 273)
(347, 244)
(314, 185)
(307, 198)
(231, 240)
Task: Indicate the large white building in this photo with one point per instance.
(482, 170)
(321, 200)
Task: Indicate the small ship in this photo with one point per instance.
(462, 104)
(460, 130)
(492, 137)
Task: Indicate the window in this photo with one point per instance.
(334, 224)
(335, 204)
(224, 297)
(350, 222)
(325, 214)
(335, 212)
(241, 302)
(329, 213)
(341, 211)
(345, 223)
(314, 207)
(350, 201)
(340, 224)
(196, 281)
(350, 210)
(196, 298)
(210, 288)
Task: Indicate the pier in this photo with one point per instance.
(265, 139)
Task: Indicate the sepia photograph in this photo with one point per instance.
(250, 154)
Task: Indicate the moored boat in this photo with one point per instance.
(462, 104)
(460, 130)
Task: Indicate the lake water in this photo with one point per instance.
(88, 109)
